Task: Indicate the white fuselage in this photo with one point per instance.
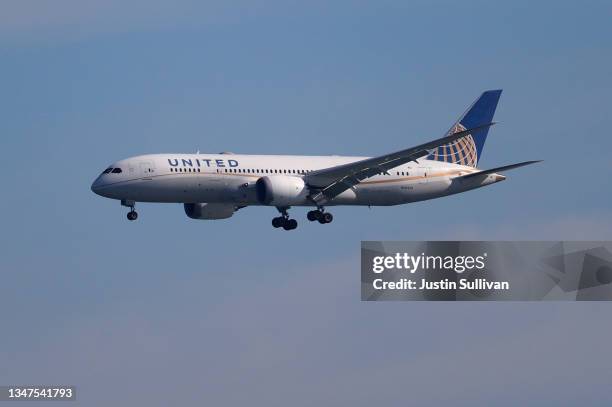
(231, 178)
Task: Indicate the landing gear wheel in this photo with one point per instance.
(283, 220)
(290, 224)
(132, 215)
(327, 217)
(313, 215)
(319, 215)
(278, 222)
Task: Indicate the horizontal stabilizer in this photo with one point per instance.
(501, 169)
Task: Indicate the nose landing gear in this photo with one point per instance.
(320, 216)
(132, 214)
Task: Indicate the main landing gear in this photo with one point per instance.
(283, 221)
(132, 214)
(320, 215)
(286, 223)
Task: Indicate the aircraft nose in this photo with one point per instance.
(96, 186)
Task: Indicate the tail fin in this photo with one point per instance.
(468, 150)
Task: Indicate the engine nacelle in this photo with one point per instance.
(281, 190)
(209, 210)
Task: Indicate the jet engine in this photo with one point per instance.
(281, 190)
(209, 210)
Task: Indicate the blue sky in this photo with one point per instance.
(234, 311)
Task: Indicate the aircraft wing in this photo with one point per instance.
(330, 182)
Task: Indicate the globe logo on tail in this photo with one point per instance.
(461, 151)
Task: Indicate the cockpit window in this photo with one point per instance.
(116, 171)
(106, 171)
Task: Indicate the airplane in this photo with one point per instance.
(215, 186)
